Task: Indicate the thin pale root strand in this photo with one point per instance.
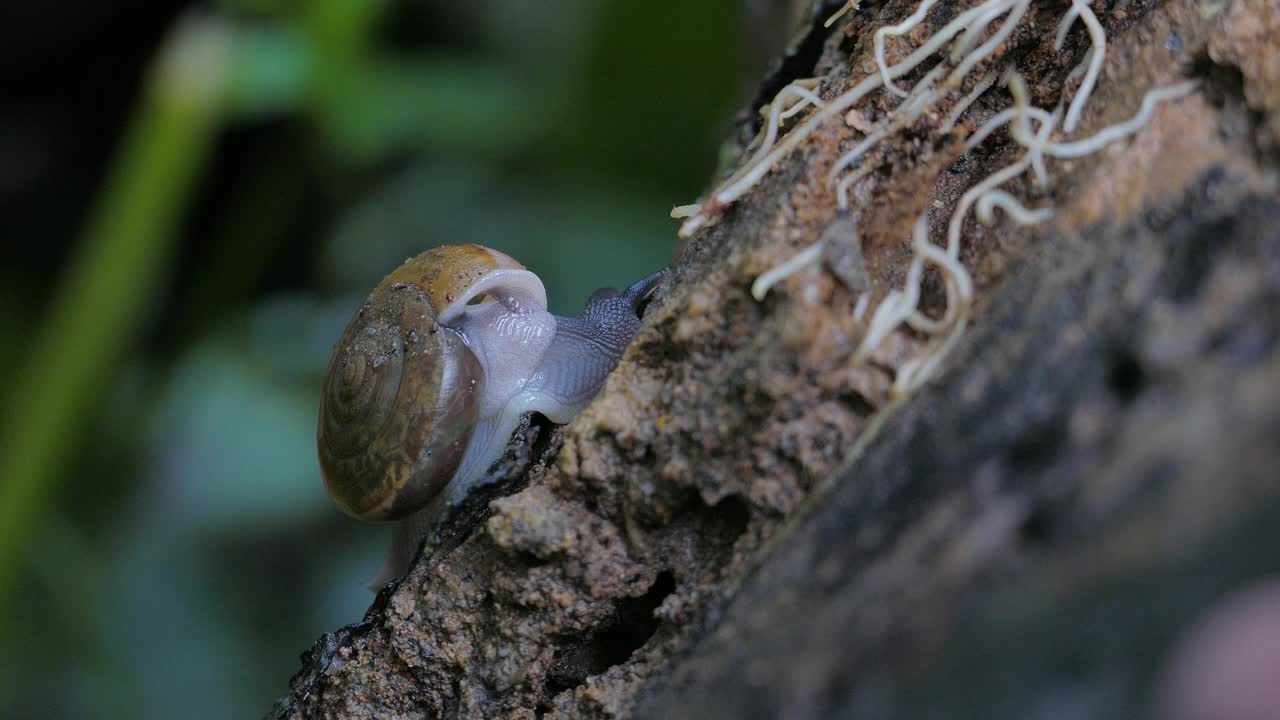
(850, 6)
(1017, 212)
(969, 99)
(805, 258)
(899, 29)
(1098, 36)
(747, 179)
(1119, 131)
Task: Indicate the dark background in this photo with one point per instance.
(181, 252)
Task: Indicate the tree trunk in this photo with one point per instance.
(761, 517)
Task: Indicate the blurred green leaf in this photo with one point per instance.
(269, 72)
(103, 298)
(657, 77)
(167, 631)
(422, 207)
(450, 104)
(339, 30)
(291, 338)
(236, 426)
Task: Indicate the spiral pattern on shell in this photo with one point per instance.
(401, 395)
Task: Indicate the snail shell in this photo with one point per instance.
(402, 392)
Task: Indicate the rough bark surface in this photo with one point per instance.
(719, 536)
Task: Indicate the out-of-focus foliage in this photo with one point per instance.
(184, 250)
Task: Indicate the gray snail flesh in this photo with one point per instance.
(434, 372)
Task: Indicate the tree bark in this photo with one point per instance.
(749, 522)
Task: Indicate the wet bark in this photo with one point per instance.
(719, 535)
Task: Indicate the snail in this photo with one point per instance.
(434, 372)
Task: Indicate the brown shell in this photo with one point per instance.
(401, 394)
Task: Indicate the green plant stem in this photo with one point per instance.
(104, 296)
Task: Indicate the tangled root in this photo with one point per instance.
(1030, 127)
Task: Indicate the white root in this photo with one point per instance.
(753, 172)
(1079, 70)
(801, 89)
(1119, 131)
(999, 120)
(847, 7)
(956, 112)
(971, 60)
(901, 28)
(803, 259)
(969, 38)
(986, 205)
(745, 179)
(896, 307)
(842, 188)
(986, 195)
(1064, 27)
(920, 369)
(1098, 36)
(1022, 127)
(971, 196)
(1032, 128)
(860, 308)
(922, 95)
(806, 98)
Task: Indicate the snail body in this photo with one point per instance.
(434, 371)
